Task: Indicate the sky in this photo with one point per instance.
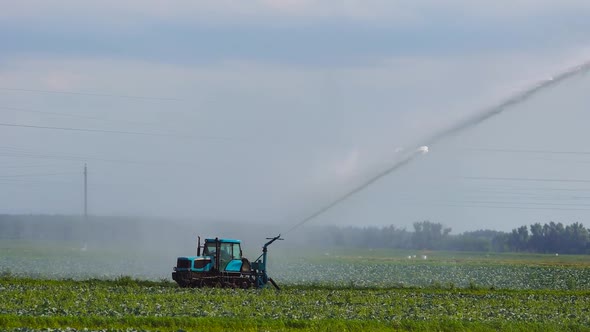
(266, 111)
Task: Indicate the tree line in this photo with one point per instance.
(537, 238)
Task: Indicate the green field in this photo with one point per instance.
(61, 287)
(124, 303)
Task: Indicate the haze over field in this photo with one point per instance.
(264, 112)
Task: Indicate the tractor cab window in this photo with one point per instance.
(231, 251)
(209, 249)
(228, 251)
(236, 251)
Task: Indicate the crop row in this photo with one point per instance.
(507, 276)
(75, 299)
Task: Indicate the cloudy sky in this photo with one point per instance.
(265, 111)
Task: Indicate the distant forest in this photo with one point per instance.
(426, 235)
(537, 238)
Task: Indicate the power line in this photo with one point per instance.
(35, 182)
(25, 166)
(77, 116)
(525, 203)
(514, 207)
(35, 174)
(505, 205)
(524, 196)
(212, 138)
(93, 94)
(24, 153)
(514, 197)
(88, 158)
(524, 179)
(145, 185)
(495, 189)
(49, 113)
(79, 129)
(528, 151)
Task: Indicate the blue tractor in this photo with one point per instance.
(222, 265)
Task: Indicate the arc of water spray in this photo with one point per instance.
(394, 167)
(455, 129)
(509, 102)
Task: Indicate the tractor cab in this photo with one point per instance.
(230, 253)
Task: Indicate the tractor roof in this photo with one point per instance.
(223, 240)
(192, 258)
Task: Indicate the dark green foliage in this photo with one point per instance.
(551, 238)
(548, 238)
(126, 304)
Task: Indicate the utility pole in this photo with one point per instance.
(85, 227)
(85, 192)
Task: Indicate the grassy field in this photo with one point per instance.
(125, 303)
(65, 288)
